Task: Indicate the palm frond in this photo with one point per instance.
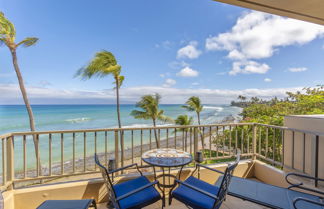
(189, 108)
(2, 41)
(165, 118)
(121, 79)
(104, 63)
(140, 115)
(29, 41)
(183, 120)
(150, 106)
(7, 29)
(193, 104)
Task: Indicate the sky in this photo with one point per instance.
(175, 48)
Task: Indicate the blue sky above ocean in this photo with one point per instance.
(176, 48)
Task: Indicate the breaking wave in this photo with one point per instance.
(78, 120)
(218, 109)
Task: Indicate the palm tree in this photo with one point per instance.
(150, 110)
(193, 104)
(103, 64)
(184, 120)
(242, 98)
(255, 100)
(7, 37)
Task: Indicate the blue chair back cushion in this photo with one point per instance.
(139, 199)
(194, 198)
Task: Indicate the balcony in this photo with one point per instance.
(62, 167)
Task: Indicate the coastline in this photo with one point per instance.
(129, 157)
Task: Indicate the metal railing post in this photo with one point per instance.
(122, 148)
(10, 162)
(195, 140)
(316, 159)
(254, 142)
(116, 149)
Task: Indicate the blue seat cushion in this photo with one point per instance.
(140, 199)
(194, 198)
(268, 195)
(66, 204)
(292, 195)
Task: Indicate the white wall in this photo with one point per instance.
(313, 123)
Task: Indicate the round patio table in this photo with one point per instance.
(166, 158)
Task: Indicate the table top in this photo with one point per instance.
(167, 157)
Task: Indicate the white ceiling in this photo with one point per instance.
(307, 10)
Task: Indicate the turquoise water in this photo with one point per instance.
(14, 118)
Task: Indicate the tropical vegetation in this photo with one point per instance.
(184, 120)
(193, 104)
(8, 38)
(305, 102)
(149, 105)
(104, 64)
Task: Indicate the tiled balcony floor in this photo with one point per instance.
(230, 203)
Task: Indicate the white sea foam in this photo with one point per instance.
(140, 125)
(136, 125)
(219, 109)
(78, 120)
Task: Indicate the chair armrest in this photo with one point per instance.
(197, 189)
(300, 184)
(125, 167)
(212, 169)
(298, 199)
(136, 190)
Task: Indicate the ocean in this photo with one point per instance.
(14, 118)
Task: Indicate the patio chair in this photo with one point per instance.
(68, 204)
(135, 193)
(198, 194)
(276, 197)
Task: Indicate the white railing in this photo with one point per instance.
(70, 152)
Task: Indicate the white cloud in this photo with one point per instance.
(190, 51)
(164, 75)
(10, 94)
(249, 67)
(188, 72)
(169, 82)
(178, 64)
(195, 84)
(165, 45)
(236, 55)
(258, 35)
(267, 80)
(297, 69)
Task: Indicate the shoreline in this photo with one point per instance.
(90, 164)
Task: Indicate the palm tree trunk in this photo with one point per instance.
(118, 117)
(155, 134)
(186, 136)
(201, 134)
(118, 105)
(25, 97)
